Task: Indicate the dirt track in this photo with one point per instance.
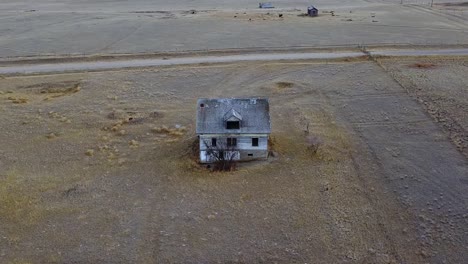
(38, 67)
(387, 185)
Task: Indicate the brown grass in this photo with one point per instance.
(161, 129)
(332, 139)
(284, 85)
(423, 65)
(61, 91)
(175, 131)
(18, 100)
(20, 198)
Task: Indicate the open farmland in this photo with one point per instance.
(440, 86)
(85, 27)
(98, 158)
(99, 167)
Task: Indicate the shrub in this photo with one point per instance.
(221, 155)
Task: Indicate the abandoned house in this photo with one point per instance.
(238, 127)
(312, 11)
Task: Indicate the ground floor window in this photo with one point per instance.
(254, 142)
(213, 142)
(231, 142)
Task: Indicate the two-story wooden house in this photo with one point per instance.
(240, 125)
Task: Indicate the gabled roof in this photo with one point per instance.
(232, 115)
(253, 113)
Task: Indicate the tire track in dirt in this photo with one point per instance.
(133, 31)
(328, 205)
(455, 21)
(418, 185)
(457, 134)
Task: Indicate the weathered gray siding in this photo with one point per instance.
(244, 145)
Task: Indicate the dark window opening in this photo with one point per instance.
(232, 125)
(250, 155)
(254, 142)
(213, 142)
(202, 105)
(232, 142)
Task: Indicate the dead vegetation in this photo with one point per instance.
(221, 155)
(423, 65)
(313, 142)
(130, 118)
(16, 205)
(53, 87)
(284, 85)
(281, 87)
(272, 146)
(20, 199)
(51, 135)
(18, 100)
(190, 157)
(60, 117)
(55, 92)
(176, 131)
(42, 92)
(121, 115)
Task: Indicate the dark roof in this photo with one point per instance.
(253, 113)
(265, 5)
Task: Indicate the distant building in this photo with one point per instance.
(265, 5)
(312, 11)
(242, 126)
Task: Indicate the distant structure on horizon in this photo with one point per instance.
(239, 127)
(265, 5)
(312, 11)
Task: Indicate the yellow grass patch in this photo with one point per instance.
(20, 202)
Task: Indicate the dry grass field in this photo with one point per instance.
(440, 85)
(98, 167)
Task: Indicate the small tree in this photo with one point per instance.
(313, 142)
(222, 155)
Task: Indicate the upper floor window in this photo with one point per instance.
(232, 124)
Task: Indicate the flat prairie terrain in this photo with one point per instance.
(99, 167)
(61, 28)
(440, 86)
